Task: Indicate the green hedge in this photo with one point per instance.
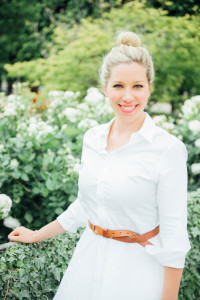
(33, 271)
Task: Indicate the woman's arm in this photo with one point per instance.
(172, 279)
(25, 235)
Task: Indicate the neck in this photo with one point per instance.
(120, 127)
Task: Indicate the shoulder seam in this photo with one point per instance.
(176, 141)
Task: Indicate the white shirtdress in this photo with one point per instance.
(136, 187)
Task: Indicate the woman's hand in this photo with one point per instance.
(23, 235)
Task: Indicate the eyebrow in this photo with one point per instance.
(138, 81)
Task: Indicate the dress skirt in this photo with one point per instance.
(106, 269)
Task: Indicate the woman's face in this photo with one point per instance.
(128, 91)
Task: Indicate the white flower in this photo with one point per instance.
(83, 107)
(61, 152)
(10, 110)
(1, 147)
(180, 137)
(54, 103)
(197, 143)
(11, 222)
(55, 94)
(87, 123)
(196, 99)
(69, 94)
(5, 205)
(70, 158)
(194, 126)
(94, 96)
(21, 106)
(64, 127)
(83, 124)
(168, 126)
(71, 114)
(33, 120)
(195, 168)
(103, 109)
(163, 107)
(76, 168)
(32, 129)
(21, 126)
(160, 120)
(189, 109)
(14, 164)
(12, 98)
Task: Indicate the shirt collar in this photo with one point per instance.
(146, 131)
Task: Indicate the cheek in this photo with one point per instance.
(114, 97)
(143, 96)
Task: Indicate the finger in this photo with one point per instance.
(14, 238)
(11, 233)
(14, 233)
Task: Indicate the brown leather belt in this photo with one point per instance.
(125, 235)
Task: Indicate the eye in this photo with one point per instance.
(138, 86)
(117, 86)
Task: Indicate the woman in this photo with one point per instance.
(133, 182)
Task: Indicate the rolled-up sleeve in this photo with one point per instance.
(74, 216)
(172, 208)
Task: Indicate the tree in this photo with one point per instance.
(178, 7)
(77, 53)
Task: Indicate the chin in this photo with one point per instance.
(130, 117)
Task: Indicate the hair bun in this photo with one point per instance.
(128, 38)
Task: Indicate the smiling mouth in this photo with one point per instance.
(128, 108)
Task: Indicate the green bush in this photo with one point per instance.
(186, 126)
(34, 271)
(190, 283)
(40, 151)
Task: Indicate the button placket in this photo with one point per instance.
(101, 182)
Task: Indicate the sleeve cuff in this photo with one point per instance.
(168, 257)
(74, 217)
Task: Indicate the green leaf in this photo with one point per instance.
(28, 217)
(28, 168)
(44, 192)
(51, 144)
(50, 184)
(24, 176)
(59, 210)
(20, 264)
(72, 198)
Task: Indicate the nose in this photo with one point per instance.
(128, 96)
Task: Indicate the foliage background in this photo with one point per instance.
(54, 44)
(62, 45)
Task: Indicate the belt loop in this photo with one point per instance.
(105, 232)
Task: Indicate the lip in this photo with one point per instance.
(128, 111)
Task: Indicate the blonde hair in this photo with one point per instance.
(128, 50)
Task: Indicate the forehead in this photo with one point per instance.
(128, 72)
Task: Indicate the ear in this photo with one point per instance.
(105, 91)
(150, 89)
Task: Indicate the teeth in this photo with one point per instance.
(128, 108)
